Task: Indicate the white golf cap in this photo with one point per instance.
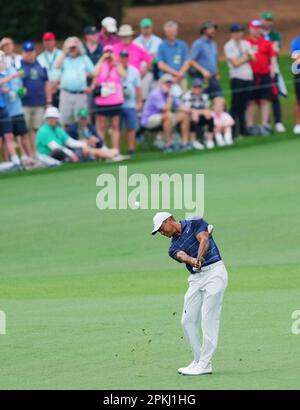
(110, 24)
(52, 112)
(158, 219)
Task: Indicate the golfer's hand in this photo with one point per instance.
(195, 263)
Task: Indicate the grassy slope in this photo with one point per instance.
(92, 300)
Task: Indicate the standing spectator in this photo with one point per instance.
(295, 50)
(5, 121)
(37, 90)
(108, 92)
(197, 103)
(76, 68)
(163, 110)
(107, 35)
(48, 59)
(173, 55)
(223, 123)
(92, 49)
(12, 59)
(84, 130)
(13, 93)
(264, 68)
(138, 56)
(204, 58)
(276, 39)
(238, 53)
(151, 43)
(133, 100)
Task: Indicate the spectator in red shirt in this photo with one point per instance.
(264, 68)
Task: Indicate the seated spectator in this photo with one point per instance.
(151, 43)
(108, 92)
(295, 50)
(264, 69)
(37, 90)
(204, 58)
(197, 103)
(138, 56)
(84, 130)
(92, 48)
(5, 121)
(14, 91)
(223, 123)
(48, 59)
(12, 59)
(107, 35)
(173, 55)
(54, 145)
(76, 68)
(133, 100)
(238, 53)
(164, 111)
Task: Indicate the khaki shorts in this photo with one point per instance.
(155, 121)
(70, 104)
(34, 117)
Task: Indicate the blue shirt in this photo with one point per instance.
(130, 84)
(34, 82)
(2, 98)
(295, 44)
(205, 52)
(12, 99)
(188, 242)
(74, 73)
(78, 133)
(174, 55)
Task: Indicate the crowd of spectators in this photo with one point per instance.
(71, 104)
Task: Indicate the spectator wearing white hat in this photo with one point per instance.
(54, 145)
(138, 56)
(107, 35)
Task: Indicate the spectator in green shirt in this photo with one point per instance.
(54, 145)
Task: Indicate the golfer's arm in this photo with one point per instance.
(203, 238)
(183, 257)
(198, 67)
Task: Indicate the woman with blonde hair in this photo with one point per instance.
(75, 68)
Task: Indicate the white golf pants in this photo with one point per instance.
(203, 304)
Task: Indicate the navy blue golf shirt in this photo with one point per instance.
(188, 242)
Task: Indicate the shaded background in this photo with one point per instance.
(28, 20)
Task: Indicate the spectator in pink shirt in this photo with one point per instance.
(138, 56)
(107, 36)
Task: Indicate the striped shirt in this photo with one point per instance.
(188, 242)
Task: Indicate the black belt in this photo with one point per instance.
(73, 92)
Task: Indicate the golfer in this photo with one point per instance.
(192, 243)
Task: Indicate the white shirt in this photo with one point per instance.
(48, 60)
(13, 61)
(234, 49)
(151, 45)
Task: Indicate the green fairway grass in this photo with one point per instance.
(92, 300)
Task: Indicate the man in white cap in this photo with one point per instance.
(107, 35)
(192, 243)
(54, 145)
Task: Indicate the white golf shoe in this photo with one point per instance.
(197, 145)
(210, 144)
(279, 127)
(296, 129)
(219, 140)
(198, 370)
(190, 366)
